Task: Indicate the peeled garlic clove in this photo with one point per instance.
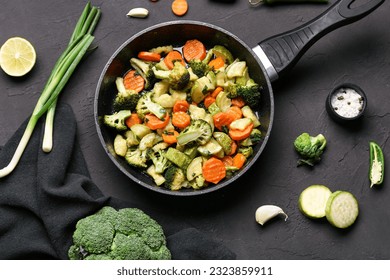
(138, 13)
(267, 212)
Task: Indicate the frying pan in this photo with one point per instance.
(266, 62)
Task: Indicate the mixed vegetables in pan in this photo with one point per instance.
(186, 115)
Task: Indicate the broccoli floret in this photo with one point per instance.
(117, 120)
(135, 236)
(175, 178)
(145, 70)
(199, 67)
(199, 132)
(179, 76)
(160, 162)
(310, 148)
(145, 106)
(250, 92)
(246, 151)
(125, 99)
(137, 158)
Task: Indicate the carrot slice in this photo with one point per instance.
(235, 111)
(237, 134)
(172, 57)
(170, 137)
(239, 160)
(181, 106)
(154, 122)
(194, 49)
(208, 101)
(234, 148)
(227, 160)
(181, 119)
(216, 91)
(134, 81)
(179, 7)
(214, 170)
(222, 119)
(238, 101)
(132, 120)
(149, 56)
(217, 63)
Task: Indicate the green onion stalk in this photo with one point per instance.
(78, 46)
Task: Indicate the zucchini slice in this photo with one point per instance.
(342, 209)
(312, 201)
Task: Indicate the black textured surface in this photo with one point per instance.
(358, 53)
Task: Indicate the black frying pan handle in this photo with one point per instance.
(284, 50)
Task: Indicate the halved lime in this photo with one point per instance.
(17, 56)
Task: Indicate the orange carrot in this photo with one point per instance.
(216, 91)
(132, 120)
(172, 57)
(217, 63)
(214, 170)
(170, 137)
(134, 81)
(208, 101)
(238, 101)
(236, 111)
(239, 160)
(154, 122)
(181, 119)
(237, 134)
(222, 119)
(179, 7)
(227, 160)
(181, 106)
(194, 49)
(234, 148)
(149, 56)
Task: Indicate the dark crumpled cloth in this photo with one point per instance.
(44, 197)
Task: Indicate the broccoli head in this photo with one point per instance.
(144, 69)
(310, 148)
(179, 76)
(175, 178)
(137, 158)
(117, 120)
(199, 67)
(127, 234)
(145, 106)
(160, 162)
(126, 100)
(250, 92)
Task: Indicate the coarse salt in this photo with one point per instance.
(347, 102)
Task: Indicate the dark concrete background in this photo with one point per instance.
(357, 53)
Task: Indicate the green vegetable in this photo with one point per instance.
(199, 132)
(120, 145)
(246, 151)
(137, 158)
(117, 120)
(79, 43)
(160, 161)
(180, 159)
(175, 178)
(145, 106)
(199, 68)
(221, 51)
(250, 92)
(310, 148)
(127, 234)
(236, 69)
(312, 201)
(145, 70)
(125, 99)
(377, 164)
(179, 76)
(342, 209)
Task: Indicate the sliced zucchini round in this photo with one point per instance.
(342, 209)
(312, 201)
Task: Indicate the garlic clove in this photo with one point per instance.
(138, 13)
(267, 212)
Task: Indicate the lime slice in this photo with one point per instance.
(312, 201)
(342, 209)
(17, 56)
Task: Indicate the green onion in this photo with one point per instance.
(79, 43)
